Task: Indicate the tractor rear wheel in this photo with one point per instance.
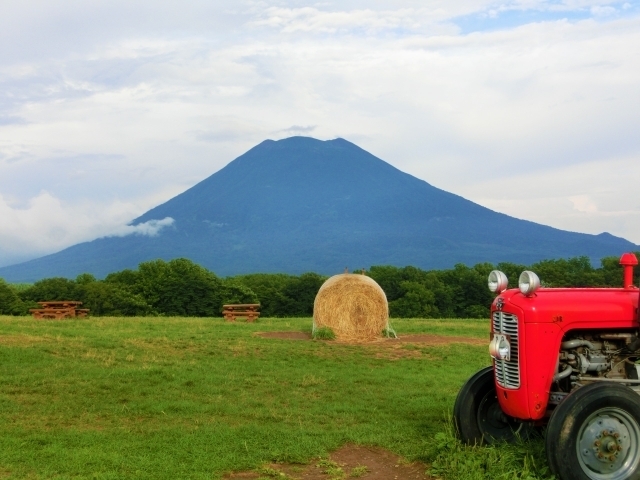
(594, 434)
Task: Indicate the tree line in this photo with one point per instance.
(180, 287)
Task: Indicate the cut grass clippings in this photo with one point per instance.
(198, 397)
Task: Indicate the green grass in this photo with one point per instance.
(324, 333)
(194, 398)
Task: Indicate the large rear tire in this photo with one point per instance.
(478, 417)
(594, 434)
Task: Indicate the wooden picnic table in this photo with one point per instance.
(241, 310)
(59, 309)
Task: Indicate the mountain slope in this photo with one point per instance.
(302, 204)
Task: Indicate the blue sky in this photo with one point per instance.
(507, 15)
(485, 21)
(108, 108)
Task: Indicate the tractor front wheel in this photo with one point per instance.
(478, 417)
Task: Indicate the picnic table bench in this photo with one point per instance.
(59, 310)
(241, 310)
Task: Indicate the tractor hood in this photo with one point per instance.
(569, 305)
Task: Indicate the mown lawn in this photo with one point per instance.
(197, 397)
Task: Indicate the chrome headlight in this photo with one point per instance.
(498, 281)
(528, 283)
(500, 347)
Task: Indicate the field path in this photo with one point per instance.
(349, 461)
(427, 338)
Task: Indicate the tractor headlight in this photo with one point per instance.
(528, 283)
(500, 347)
(498, 281)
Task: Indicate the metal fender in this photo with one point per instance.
(541, 364)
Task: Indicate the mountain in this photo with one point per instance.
(302, 204)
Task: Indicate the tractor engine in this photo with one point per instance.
(602, 355)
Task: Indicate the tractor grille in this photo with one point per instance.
(507, 372)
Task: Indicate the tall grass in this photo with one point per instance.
(450, 459)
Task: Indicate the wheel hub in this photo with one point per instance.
(604, 445)
(608, 446)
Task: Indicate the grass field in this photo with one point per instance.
(195, 398)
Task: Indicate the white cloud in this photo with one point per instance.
(594, 197)
(600, 11)
(150, 228)
(46, 224)
(299, 129)
(583, 203)
(310, 19)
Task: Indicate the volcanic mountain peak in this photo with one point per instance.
(302, 204)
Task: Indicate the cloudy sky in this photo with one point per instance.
(108, 108)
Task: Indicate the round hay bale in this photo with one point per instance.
(353, 306)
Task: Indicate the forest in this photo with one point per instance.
(181, 287)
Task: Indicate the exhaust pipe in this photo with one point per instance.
(628, 261)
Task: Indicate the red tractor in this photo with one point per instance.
(567, 358)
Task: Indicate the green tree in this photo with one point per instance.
(470, 296)
(440, 283)
(611, 271)
(571, 272)
(10, 302)
(236, 292)
(269, 288)
(128, 277)
(444, 294)
(416, 302)
(389, 278)
(298, 295)
(85, 279)
(512, 271)
(180, 287)
(112, 299)
(49, 289)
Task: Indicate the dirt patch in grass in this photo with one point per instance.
(416, 338)
(415, 346)
(350, 461)
(437, 339)
(285, 335)
(405, 346)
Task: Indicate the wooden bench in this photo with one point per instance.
(59, 310)
(241, 310)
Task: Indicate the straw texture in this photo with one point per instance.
(353, 306)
